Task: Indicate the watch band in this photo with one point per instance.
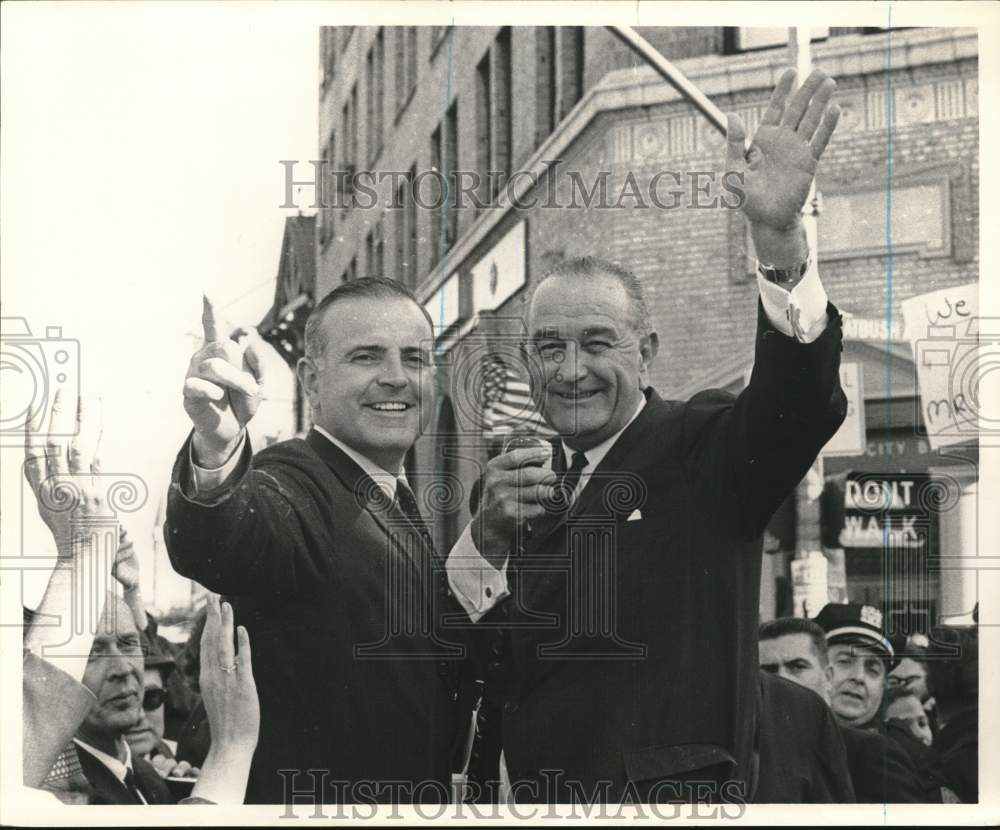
(782, 276)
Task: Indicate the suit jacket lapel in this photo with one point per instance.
(366, 492)
(106, 787)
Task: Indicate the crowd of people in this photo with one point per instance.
(382, 667)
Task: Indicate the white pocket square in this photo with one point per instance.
(634, 516)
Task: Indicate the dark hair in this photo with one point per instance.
(783, 626)
(954, 681)
(365, 287)
(589, 267)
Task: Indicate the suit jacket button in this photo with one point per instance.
(510, 707)
(443, 667)
(494, 667)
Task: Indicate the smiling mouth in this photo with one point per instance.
(124, 697)
(390, 406)
(575, 396)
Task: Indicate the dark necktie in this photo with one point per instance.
(567, 479)
(131, 786)
(408, 505)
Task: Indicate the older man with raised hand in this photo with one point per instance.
(625, 649)
(85, 682)
(321, 546)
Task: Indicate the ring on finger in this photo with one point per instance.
(228, 669)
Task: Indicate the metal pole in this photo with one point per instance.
(671, 74)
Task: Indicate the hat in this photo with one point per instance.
(854, 623)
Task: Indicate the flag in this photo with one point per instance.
(507, 403)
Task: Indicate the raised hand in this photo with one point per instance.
(61, 468)
(126, 567)
(779, 166)
(226, 682)
(222, 390)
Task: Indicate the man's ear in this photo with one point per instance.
(648, 347)
(306, 372)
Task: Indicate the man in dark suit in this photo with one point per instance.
(99, 765)
(881, 772)
(320, 545)
(620, 590)
(802, 755)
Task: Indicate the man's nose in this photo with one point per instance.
(573, 367)
(119, 665)
(392, 373)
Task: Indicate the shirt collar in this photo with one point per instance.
(595, 455)
(117, 768)
(382, 477)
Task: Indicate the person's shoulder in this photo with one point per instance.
(873, 746)
(786, 701)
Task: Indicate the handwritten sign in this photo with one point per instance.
(850, 438)
(943, 329)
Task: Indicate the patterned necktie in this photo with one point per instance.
(408, 505)
(567, 479)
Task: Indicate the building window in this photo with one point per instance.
(444, 159)
(411, 226)
(378, 268)
(545, 82)
(501, 161)
(747, 38)
(406, 231)
(570, 69)
(375, 98)
(484, 132)
(374, 251)
(350, 149)
(327, 195)
(405, 65)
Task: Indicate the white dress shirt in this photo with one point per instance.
(799, 313)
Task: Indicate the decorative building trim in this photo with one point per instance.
(752, 73)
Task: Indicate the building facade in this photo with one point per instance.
(593, 154)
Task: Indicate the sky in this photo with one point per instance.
(140, 169)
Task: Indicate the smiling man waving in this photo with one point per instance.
(618, 592)
(320, 545)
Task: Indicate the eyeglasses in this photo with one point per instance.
(153, 698)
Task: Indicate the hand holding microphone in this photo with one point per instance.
(516, 487)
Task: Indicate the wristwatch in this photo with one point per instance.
(784, 276)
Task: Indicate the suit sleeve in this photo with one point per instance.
(836, 786)
(260, 533)
(747, 455)
(54, 706)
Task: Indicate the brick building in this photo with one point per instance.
(400, 101)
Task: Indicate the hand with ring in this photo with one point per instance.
(230, 697)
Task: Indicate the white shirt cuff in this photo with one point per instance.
(799, 313)
(205, 479)
(475, 582)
